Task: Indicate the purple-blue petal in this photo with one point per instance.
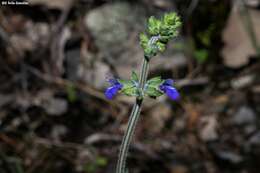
(168, 82)
(113, 81)
(162, 87)
(113, 89)
(171, 92)
(111, 92)
(119, 86)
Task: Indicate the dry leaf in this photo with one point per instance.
(238, 47)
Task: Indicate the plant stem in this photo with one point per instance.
(121, 168)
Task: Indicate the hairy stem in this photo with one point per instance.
(121, 168)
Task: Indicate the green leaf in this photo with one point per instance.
(130, 91)
(153, 91)
(150, 51)
(152, 87)
(101, 161)
(155, 82)
(143, 40)
(161, 46)
(71, 93)
(126, 82)
(172, 19)
(154, 25)
(134, 76)
(201, 55)
(129, 87)
(166, 28)
(169, 18)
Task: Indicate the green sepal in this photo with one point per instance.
(125, 83)
(149, 51)
(153, 91)
(171, 19)
(155, 81)
(144, 40)
(154, 26)
(130, 91)
(134, 76)
(160, 46)
(152, 87)
(165, 28)
(129, 87)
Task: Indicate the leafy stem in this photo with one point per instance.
(121, 168)
(159, 32)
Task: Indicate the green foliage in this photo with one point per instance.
(154, 26)
(131, 91)
(129, 87)
(134, 76)
(144, 40)
(101, 161)
(153, 91)
(92, 167)
(160, 46)
(155, 81)
(159, 33)
(149, 51)
(71, 93)
(152, 87)
(201, 55)
(206, 36)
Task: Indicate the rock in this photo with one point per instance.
(249, 129)
(39, 33)
(245, 115)
(209, 131)
(169, 60)
(72, 64)
(242, 82)
(5, 99)
(55, 106)
(255, 139)
(158, 116)
(22, 43)
(58, 131)
(232, 157)
(252, 3)
(101, 70)
(115, 28)
(96, 76)
(33, 37)
(252, 145)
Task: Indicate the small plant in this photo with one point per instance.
(159, 32)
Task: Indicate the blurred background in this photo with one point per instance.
(55, 56)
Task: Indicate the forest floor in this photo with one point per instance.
(55, 57)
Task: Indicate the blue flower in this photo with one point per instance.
(169, 90)
(113, 89)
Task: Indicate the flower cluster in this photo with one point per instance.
(154, 87)
(159, 32)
